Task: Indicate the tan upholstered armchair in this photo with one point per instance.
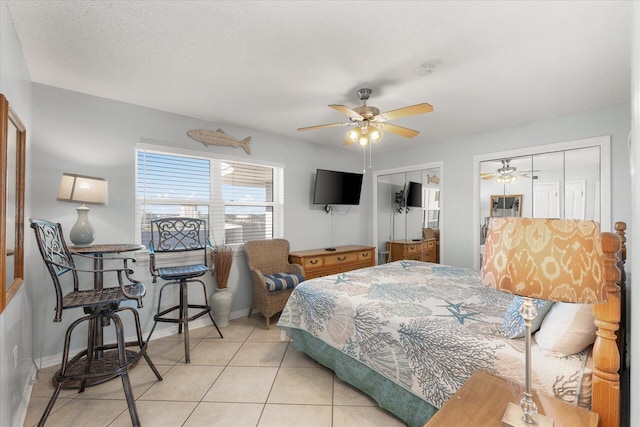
(273, 276)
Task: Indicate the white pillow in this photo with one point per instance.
(567, 328)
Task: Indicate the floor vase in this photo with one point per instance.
(221, 306)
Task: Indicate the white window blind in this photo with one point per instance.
(240, 201)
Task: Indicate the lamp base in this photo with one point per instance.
(513, 417)
(82, 233)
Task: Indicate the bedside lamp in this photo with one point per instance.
(83, 189)
(550, 259)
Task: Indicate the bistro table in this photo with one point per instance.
(98, 251)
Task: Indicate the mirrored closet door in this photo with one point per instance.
(407, 211)
(560, 181)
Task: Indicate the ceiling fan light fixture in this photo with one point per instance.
(364, 136)
(507, 179)
(376, 135)
(353, 134)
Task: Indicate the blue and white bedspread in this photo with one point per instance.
(426, 327)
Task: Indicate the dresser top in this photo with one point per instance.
(409, 242)
(339, 249)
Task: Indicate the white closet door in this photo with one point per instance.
(574, 199)
(546, 200)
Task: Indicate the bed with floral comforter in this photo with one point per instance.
(410, 333)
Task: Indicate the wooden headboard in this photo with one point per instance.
(608, 318)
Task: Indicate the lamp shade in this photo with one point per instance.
(83, 189)
(550, 259)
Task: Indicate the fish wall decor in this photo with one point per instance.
(218, 137)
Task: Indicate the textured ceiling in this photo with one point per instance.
(274, 66)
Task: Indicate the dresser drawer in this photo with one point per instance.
(429, 255)
(313, 262)
(431, 244)
(413, 249)
(338, 259)
(365, 256)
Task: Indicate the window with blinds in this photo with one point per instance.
(240, 201)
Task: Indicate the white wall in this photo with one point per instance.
(457, 155)
(15, 320)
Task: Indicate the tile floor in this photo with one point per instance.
(249, 378)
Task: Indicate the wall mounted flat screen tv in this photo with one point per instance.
(337, 188)
(414, 195)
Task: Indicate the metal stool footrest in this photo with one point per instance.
(160, 317)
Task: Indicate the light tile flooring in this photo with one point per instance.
(249, 378)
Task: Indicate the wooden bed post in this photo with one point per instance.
(606, 356)
(622, 331)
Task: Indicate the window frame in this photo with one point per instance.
(215, 203)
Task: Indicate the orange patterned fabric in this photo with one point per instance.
(551, 259)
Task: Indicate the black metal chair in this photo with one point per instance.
(99, 362)
(187, 236)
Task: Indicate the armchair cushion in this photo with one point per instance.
(281, 281)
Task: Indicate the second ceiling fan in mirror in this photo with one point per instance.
(370, 123)
(506, 174)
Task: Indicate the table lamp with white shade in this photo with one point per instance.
(83, 189)
(548, 259)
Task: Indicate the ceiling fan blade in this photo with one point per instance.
(330, 125)
(348, 111)
(398, 130)
(488, 175)
(406, 111)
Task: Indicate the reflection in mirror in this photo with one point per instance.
(547, 197)
(555, 184)
(503, 206)
(582, 184)
(408, 214)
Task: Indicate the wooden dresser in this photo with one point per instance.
(421, 250)
(320, 262)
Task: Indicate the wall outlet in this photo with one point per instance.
(15, 357)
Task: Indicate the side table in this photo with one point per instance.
(482, 400)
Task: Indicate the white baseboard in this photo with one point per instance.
(21, 413)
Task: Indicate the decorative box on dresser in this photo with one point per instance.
(419, 250)
(321, 262)
(482, 400)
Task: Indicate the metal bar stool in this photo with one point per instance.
(186, 236)
(99, 362)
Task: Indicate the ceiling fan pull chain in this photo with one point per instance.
(364, 159)
(370, 150)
